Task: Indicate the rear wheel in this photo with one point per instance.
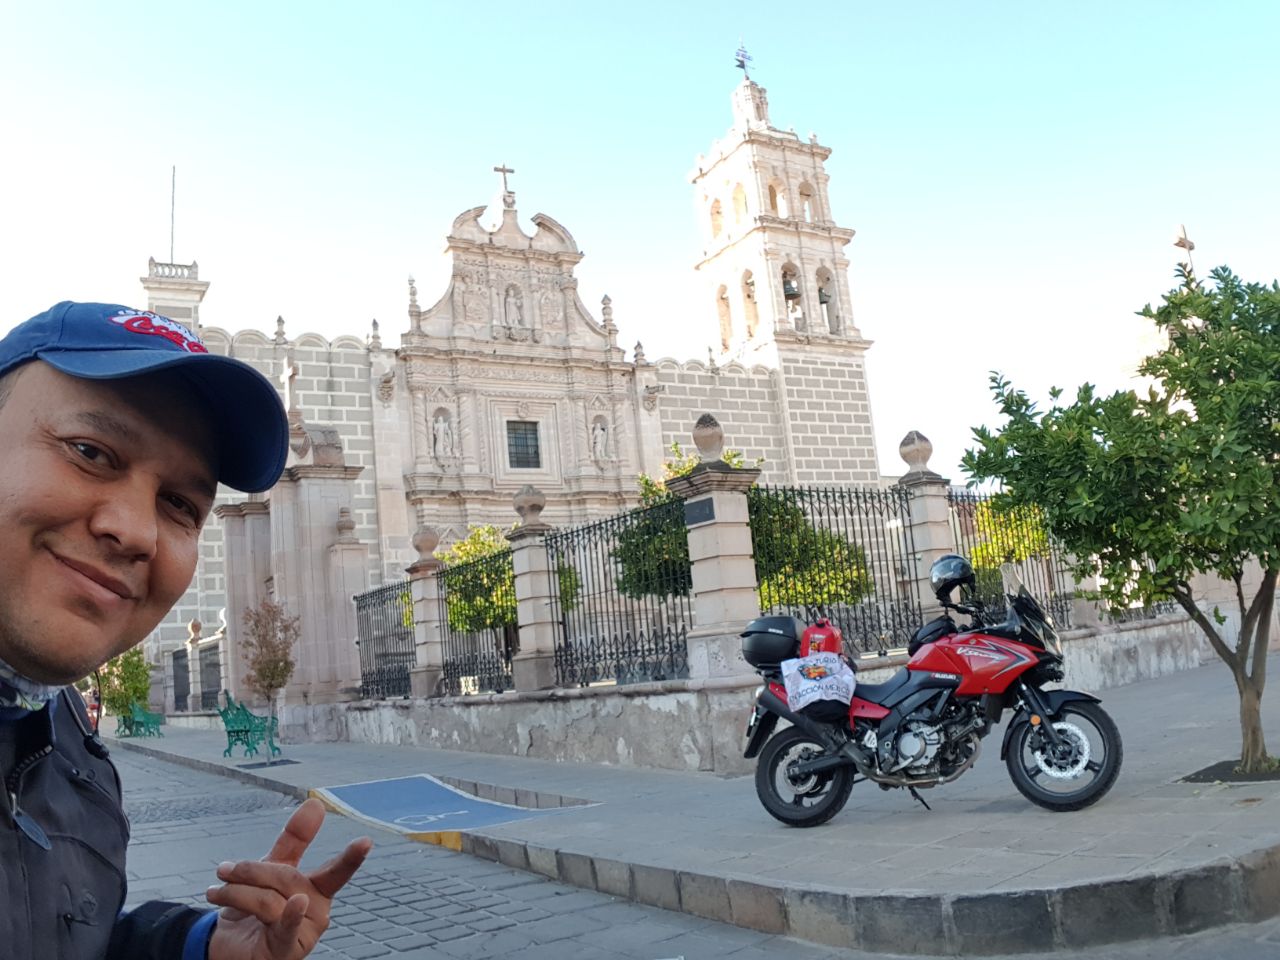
(804, 800)
(1078, 771)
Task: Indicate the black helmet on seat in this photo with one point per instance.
(948, 572)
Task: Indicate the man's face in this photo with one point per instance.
(104, 486)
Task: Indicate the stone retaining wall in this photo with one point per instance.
(682, 724)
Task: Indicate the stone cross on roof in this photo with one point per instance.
(508, 196)
(288, 373)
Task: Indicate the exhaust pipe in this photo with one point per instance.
(840, 753)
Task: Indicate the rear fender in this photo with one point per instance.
(1053, 702)
(762, 725)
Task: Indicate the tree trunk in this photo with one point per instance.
(1253, 747)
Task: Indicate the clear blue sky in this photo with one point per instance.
(1015, 171)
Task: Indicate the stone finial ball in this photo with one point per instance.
(708, 437)
(916, 450)
(529, 501)
(345, 523)
(425, 542)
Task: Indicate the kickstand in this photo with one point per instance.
(920, 798)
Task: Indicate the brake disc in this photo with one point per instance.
(1068, 761)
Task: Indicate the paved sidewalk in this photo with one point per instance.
(984, 872)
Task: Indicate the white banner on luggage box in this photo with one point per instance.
(819, 676)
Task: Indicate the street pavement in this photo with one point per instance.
(1156, 857)
(415, 901)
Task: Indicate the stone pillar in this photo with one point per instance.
(720, 551)
(247, 560)
(156, 700)
(348, 569)
(930, 515)
(194, 685)
(424, 676)
(1084, 611)
(533, 667)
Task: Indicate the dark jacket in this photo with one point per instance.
(63, 835)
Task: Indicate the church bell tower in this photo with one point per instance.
(773, 258)
(776, 282)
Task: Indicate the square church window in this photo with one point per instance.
(522, 445)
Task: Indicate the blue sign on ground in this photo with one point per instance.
(422, 804)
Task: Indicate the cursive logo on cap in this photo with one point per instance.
(155, 325)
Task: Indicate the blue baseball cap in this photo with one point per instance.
(106, 341)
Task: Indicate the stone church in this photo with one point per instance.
(507, 379)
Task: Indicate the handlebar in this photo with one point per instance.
(974, 611)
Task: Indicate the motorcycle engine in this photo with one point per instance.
(917, 747)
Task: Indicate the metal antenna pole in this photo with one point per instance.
(173, 192)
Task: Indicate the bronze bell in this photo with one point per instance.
(823, 295)
(789, 289)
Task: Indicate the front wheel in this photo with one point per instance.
(805, 800)
(1078, 771)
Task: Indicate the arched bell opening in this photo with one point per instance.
(777, 199)
(739, 204)
(750, 308)
(806, 202)
(726, 317)
(827, 301)
(792, 295)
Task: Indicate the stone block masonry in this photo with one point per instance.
(745, 400)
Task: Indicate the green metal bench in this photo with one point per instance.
(247, 729)
(143, 723)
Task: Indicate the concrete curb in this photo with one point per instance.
(1235, 890)
(208, 766)
(1244, 889)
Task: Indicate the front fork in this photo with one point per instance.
(1039, 713)
(1038, 707)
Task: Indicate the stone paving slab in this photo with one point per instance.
(1155, 857)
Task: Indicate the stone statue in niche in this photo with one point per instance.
(442, 437)
(513, 309)
(600, 440)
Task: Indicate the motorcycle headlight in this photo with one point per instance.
(1052, 642)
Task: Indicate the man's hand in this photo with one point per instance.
(270, 909)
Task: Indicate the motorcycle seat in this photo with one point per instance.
(879, 692)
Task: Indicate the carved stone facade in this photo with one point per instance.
(508, 379)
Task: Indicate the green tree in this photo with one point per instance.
(653, 552)
(482, 595)
(126, 680)
(796, 564)
(1014, 534)
(1151, 491)
(267, 648)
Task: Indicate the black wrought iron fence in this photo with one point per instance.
(210, 678)
(181, 680)
(478, 624)
(1160, 608)
(991, 537)
(384, 624)
(621, 597)
(843, 553)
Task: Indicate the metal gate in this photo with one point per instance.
(844, 553)
(384, 623)
(181, 681)
(210, 678)
(478, 624)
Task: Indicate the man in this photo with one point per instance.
(116, 426)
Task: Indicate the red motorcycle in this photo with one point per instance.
(923, 726)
